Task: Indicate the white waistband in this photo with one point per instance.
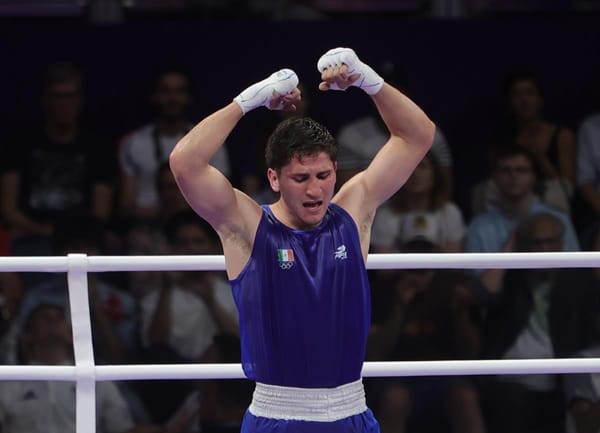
(308, 404)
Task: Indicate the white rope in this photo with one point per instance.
(370, 369)
(587, 259)
(85, 373)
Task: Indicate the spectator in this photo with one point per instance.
(181, 317)
(41, 406)
(57, 168)
(422, 194)
(424, 315)
(216, 406)
(114, 311)
(586, 207)
(514, 175)
(552, 145)
(523, 321)
(581, 308)
(144, 150)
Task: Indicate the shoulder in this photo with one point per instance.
(450, 208)
(591, 120)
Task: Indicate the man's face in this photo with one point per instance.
(48, 325)
(191, 239)
(306, 186)
(545, 236)
(171, 96)
(514, 177)
(62, 102)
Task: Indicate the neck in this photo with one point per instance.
(419, 201)
(516, 208)
(280, 212)
(61, 133)
(171, 126)
(530, 125)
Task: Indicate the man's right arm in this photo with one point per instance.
(233, 214)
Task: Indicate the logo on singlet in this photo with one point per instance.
(285, 258)
(340, 253)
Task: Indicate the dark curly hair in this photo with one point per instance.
(298, 137)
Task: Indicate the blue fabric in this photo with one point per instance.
(304, 315)
(488, 231)
(362, 423)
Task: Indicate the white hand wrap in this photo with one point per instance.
(369, 80)
(261, 93)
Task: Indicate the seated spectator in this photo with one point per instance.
(41, 406)
(144, 150)
(551, 145)
(424, 315)
(581, 308)
(422, 194)
(582, 394)
(56, 168)
(360, 139)
(586, 206)
(114, 311)
(218, 405)
(182, 315)
(524, 321)
(514, 174)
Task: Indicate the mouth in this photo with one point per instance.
(312, 205)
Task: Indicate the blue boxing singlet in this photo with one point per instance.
(304, 303)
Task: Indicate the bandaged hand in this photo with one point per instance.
(341, 68)
(271, 92)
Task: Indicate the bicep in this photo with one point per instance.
(390, 169)
(208, 192)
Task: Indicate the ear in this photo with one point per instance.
(273, 179)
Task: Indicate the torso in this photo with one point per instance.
(304, 303)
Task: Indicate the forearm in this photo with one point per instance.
(403, 117)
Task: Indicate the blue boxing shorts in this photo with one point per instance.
(282, 409)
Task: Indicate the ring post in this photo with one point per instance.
(85, 404)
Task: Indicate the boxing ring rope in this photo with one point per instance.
(85, 373)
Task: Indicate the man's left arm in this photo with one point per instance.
(411, 134)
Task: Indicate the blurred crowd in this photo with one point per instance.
(62, 191)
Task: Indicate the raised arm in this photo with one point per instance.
(411, 135)
(232, 214)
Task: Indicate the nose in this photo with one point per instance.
(313, 187)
